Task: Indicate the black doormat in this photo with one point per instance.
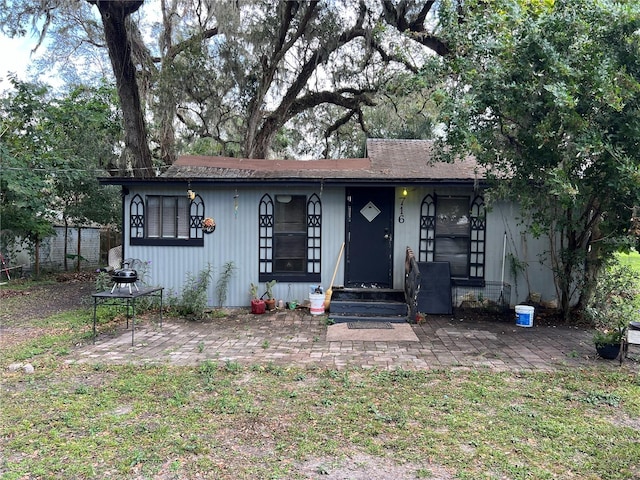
(370, 325)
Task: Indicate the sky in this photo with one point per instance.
(15, 57)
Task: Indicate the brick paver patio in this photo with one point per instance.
(297, 338)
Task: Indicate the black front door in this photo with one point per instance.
(369, 242)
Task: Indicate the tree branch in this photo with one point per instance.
(354, 101)
(414, 29)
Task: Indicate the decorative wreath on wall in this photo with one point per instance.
(208, 225)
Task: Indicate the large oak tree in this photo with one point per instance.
(116, 15)
(238, 78)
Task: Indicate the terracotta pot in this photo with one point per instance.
(270, 304)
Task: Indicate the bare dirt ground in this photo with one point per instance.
(21, 307)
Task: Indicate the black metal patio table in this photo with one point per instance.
(120, 295)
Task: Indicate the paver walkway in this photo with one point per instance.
(296, 338)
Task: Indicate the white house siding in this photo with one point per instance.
(538, 277)
(236, 239)
(500, 218)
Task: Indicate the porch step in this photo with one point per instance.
(367, 305)
(343, 318)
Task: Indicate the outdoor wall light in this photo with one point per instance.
(283, 198)
(405, 192)
(191, 194)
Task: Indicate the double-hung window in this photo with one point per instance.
(166, 220)
(290, 234)
(167, 217)
(452, 234)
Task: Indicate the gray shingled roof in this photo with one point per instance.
(387, 160)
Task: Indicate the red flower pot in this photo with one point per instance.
(258, 306)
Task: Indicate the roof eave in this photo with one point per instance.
(351, 182)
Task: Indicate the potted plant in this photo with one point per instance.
(612, 307)
(612, 320)
(608, 342)
(270, 301)
(257, 305)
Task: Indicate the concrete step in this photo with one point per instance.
(367, 305)
(364, 294)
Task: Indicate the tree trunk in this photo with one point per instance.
(114, 15)
(593, 265)
(565, 292)
(258, 145)
(568, 256)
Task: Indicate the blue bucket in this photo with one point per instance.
(524, 315)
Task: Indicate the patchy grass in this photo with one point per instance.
(228, 421)
(44, 339)
(224, 420)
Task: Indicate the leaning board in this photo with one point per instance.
(434, 296)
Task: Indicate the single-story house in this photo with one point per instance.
(286, 220)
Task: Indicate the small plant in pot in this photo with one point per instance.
(270, 301)
(257, 304)
(608, 342)
(611, 327)
(612, 308)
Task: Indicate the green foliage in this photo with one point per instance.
(615, 302)
(24, 203)
(193, 300)
(103, 282)
(222, 285)
(271, 53)
(253, 290)
(50, 153)
(269, 286)
(548, 99)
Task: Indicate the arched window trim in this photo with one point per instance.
(477, 240)
(477, 234)
(426, 250)
(136, 217)
(265, 234)
(196, 217)
(314, 234)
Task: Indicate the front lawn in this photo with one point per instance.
(224, 420)
(632, 260)
(229, 421)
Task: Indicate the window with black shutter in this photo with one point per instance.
(166, 220)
